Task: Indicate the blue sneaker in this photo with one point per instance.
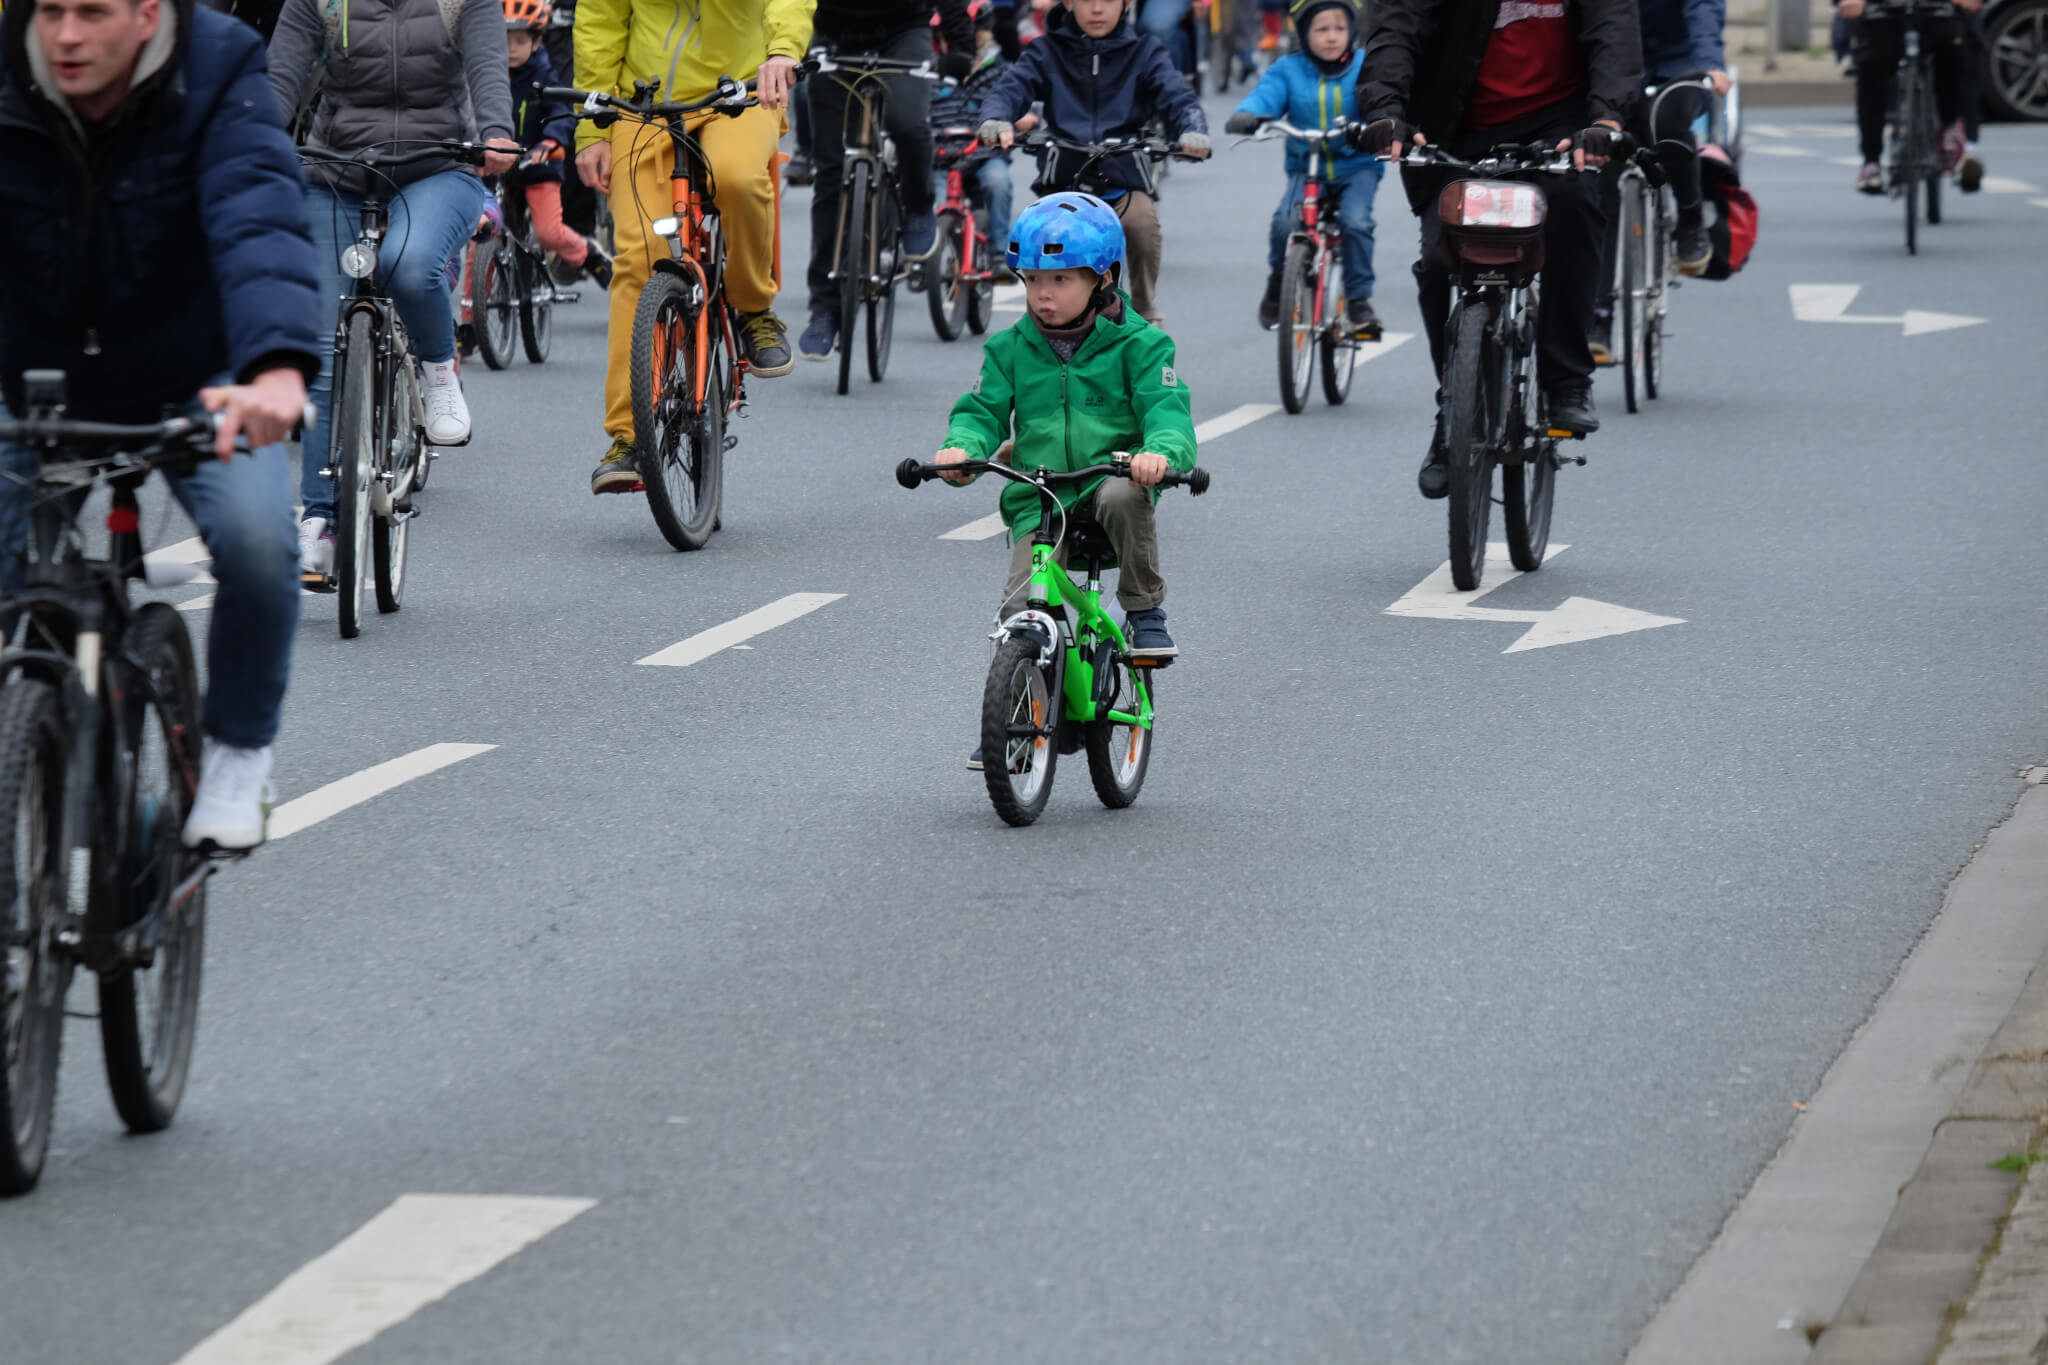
(920, 234)
(819, 335)
(1146, 632)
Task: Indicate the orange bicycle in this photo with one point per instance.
(689, 374)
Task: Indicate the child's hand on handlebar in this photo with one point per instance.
(953, 455)
(1147, 468)
(996, 133)
(1194, 146)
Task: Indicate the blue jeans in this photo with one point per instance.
(992, 178)
(244, 514)
(1354, 216)
(1161, 19)
(427, 224)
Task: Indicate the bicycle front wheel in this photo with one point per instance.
(352, 459)
(1527, 490)
(853, 263)
(681, 468)
(944, 290)
(494, 301)
(33, 975)
(888, 249)
(149, 1006)
(536, 308)
(1297, 330)
(1020, 717)
(1339, 349)
(1469, 437)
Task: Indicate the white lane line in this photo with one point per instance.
(1767, 129)
(203, 602)
(1782, 151)
(414, 1253)
(739, 630)
(2005, 184)
(176, 557)
(982, 529)
(334, 798)
(2039, 203)
(1373, 350)
(1845, 161)
(1236, 419)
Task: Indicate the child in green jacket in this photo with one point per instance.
(1080, 375)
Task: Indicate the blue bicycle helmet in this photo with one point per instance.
(1067, 229)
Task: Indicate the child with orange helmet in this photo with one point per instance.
(545, 128)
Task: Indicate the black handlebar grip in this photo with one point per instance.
(1198, 481)
(910, 473)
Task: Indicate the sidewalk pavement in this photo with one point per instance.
(1960, 1274)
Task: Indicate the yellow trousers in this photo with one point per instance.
(742, 153)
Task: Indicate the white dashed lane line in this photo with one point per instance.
(351, 791)
(734, 633)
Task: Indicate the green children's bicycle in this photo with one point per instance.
(1103, 693)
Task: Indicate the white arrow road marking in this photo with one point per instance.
(417, 1251)
(202, 602)
(739, 630)
(336, 797)
(1830, 303)
(176, 558)
(1576, 619)
(2005, 184)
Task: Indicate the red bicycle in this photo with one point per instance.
(1313, 323)
(960, 274)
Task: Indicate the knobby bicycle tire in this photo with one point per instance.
(945, 291)
(853, 258)
(494, 305)
(353, 457)
(391, 532)
(536, 307)
(32, 762)
(1296, 333)
(1469, 441)
(1339, 349)
(681, 449)
(1020, 693)
(150, 1014)
(1118, 755)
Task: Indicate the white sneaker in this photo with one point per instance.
(316, 550)
(447, 411)
(233, 804)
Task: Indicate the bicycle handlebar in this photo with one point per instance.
(1508, 159)
(1157, 148)
(469, 153)
(1280, 125)
(911, 473)
(825, 59)
(729, 96)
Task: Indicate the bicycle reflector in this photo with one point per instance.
(1491, 204)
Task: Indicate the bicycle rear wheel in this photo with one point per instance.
(944, 290)
(1297, 329)
(1934, 175)
(33, 975)
(149, 1008)
(981, 299)
(681, 468)
(1469, 402)
(352, 458)
(853, 264)
(1634, 250)
(1020, 715)
(1118, 753)
(888, 248)
(1339, 349)
(536, 307)
(494, 302)
(1659, 304)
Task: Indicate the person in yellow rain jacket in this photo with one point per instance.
(687, 45)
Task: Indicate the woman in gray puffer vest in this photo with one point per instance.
(393, 74)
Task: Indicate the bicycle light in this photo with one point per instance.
(665, 227)
(359, 260)
(1491, 204)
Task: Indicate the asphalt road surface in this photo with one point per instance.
(1435, 1002)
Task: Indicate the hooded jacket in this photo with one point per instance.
(1294, 88)
(1097, 89)
(535, 120)
(1683, 37)
(392, 71)
(685, 44)
(1119, 392)
(150, 254)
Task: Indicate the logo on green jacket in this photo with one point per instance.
(1168, 377)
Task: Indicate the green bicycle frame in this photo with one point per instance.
(1051, 591)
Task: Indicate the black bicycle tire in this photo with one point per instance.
(390, 534)
(853, 257)
(997, 701)
(355, 426)
(31, 721)
(1337, 345)
(1912, 156)
(491, 296)
(1630, 304)
(1102, 761)
(1468, 457)
(1295, 280)
(1653, 318)
(146, 1095)
(536, 308)
(948, 306)
(661, 417)
(1933, 182)
(881, 318)
(1528, 488)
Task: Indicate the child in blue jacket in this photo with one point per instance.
(1315, 88)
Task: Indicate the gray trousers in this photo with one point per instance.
(1142, 242)
(1125, 513)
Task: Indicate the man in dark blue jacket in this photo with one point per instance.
(153, 246)
(1100, 79)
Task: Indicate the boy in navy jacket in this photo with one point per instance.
(545, 128)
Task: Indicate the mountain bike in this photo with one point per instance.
(1493, 410)
(99, 760)
(1063, 677)
(1912, 131)
(960, 274)
(378, 454)
(868, 253)
(689, 372)
(511, 286)
(1313, 321)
